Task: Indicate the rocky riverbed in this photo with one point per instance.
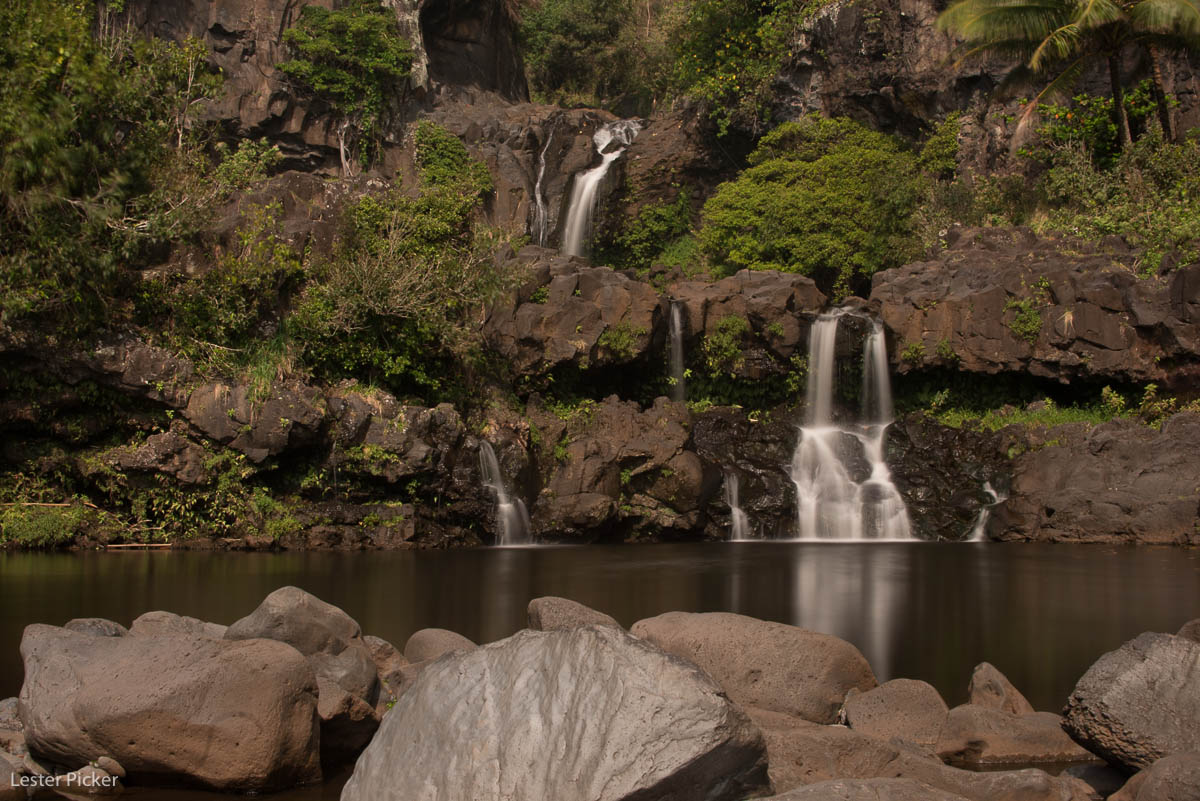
(711, 706)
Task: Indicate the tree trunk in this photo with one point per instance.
(1160, 95)
(1118, 95)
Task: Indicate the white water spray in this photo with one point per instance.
(510, 512)
(611, 139)
(830, 504)
(678, 378)
(979, 530)
(739, 524)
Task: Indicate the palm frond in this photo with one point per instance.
(992, 20)
(1094, 13)
(1061, 43)
(1172, 17)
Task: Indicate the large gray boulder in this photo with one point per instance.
(587, 714)
(991, 689)
(911, 710)
(224, 715)
(803, 753)
(1139, 703)
(1173, 778)
(974, 735)
(332, 641)
(767, 665)
(551, 614)
(868, 790)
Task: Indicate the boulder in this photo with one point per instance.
(803, 753)
(1172, 778)
(1190, 630)
(347, 722)
(975, 735)
(867, 790)
(224, 715)
(767, 665)
(551, 614)
(390, 664)
(1139, 703)
(1100, 776)
(10, 781)
(585, 714)
(428, 644)
(169, 624)
(87, 781)
(97, 626)
(991, 689)
(905, 708)
(9, 718)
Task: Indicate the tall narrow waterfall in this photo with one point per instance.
(611, 139)
(510, 512)
(836, 498)
(739, 524)
(678, 378)
(541, 216)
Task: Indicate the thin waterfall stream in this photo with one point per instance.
(739, 523)
(678, 376)
(831, 503)
(541, 219)
(610, 140)
(511, 515)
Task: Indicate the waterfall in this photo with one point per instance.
(678, 385)
(979, 530)
(510, 512)
(830, 503)
(739, 524)
(541, 218)
(611, 139)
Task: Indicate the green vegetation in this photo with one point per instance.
(826, 198)
(444, 160)
(620, 340)
(659, 233)
(723, 348)
(352, 59)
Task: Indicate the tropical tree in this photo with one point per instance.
(1061, 38)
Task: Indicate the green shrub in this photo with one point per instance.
(657, 228)
(825, 198)
(939, 154)
(620, 340)
(32, 526)
(723, 348)
(444, 161)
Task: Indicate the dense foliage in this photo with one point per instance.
(826, 198)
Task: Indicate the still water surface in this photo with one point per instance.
(1041, 613)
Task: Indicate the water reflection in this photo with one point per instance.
(1042, 614)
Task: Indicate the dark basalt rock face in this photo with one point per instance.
(1088, 315)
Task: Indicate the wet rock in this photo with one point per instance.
(503, 722)
(1172, 778)
(552, 614)
(169, 624)
(96, 626)
(803, 753)
(429, 644)
(767, 665)
(1139, 703)
(1099, 321)
(974, 735)
(867, 790)
(1190, 630)
(910, 710)
(1122, 482)
(219, 714)
(991, 689)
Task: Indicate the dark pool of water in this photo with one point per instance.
(1040, 613)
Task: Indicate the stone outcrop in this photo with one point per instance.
(1122, 481)
(505, 721)
(973, 735)
(1006, 300)
(1140, 702)
(1173, 778)
(553, 614)
(223, 715)
(991, 689)
(905, 708)
(867, 790)
(767, 665)
(428, 644)
(168, 624)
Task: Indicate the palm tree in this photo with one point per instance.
(1061, 38)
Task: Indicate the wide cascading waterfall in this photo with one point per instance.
(610, 139)
(739, 524)
(510, 512)
(678, 377)
(541, 214)
(830, 503)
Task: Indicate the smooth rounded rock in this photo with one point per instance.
(766, 665)
(911, 710)
(235, 716)
(98, 626)
(169, 624)
(1173, 778)
(585, 714)
(428, 644)
(1190, 630)
(991, 689)
(551, 614)
(1139, 703)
